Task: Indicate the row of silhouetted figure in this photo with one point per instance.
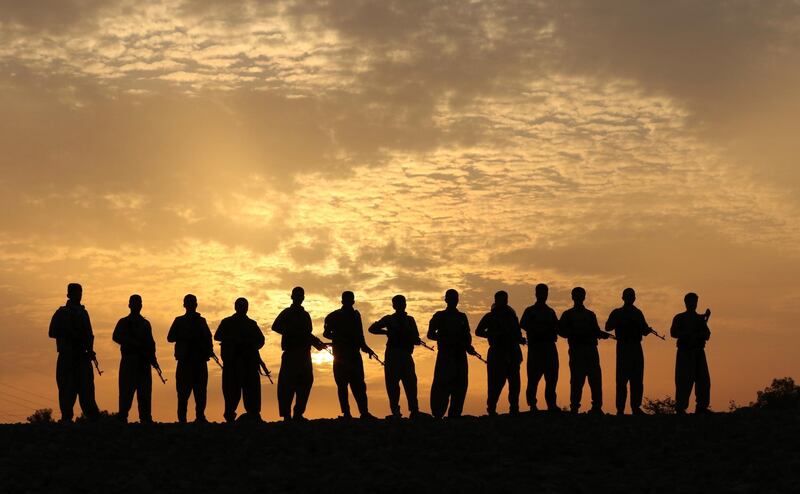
(240, 340)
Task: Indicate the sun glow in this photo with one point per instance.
(323, 357)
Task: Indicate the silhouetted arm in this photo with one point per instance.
(564, 325)
(206, 336)
(360, 330)
(119, 333)
(482, 329)
(150, 343)
(468, 335)
(172, 335)
(433, 330)
(280, 321)
(526, 321)
(676, 330)
(412, 324)
(90, 333)
(258, 337)
(611, 323)
(56, 325)
(380, 326)
(219, 334)
(327, 326)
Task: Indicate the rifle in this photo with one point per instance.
(160, 375)
(424, 345)
(96, 364)
(610, 335)
(216, 359)
(262, 369)
(375, 357)
(654, 332)
(478, 356)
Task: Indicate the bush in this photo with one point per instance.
(41, 416)
(664, 406)
(782, 394)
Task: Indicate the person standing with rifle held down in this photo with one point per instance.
(501, 327)
(579, 326)
(72, 330)
(345, 329)
(691, 367)
(540, 322)
(630, 326)
(450, 328)
(240, 339)
(138, 348)
(402, 336)
(296, 376)
(193, 348)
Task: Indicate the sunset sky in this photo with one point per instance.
(240, 148)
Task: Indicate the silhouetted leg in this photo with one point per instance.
(359, 386)
(144, 392)
(513, 386)
(535, 371)
(86, 389)
(340, 376)
(439, 387)
(551, 377)
(304, 385)
(199, 386)
(410, 384)
(496, 377)
(595, 378)
(251, 391)
(285, 387)
(126, 388)
(637, 376)
(577, 376)
(622, 373)
(392, 379)
(67, 388)
(459, 387)
(702, 391)
(684, 378)
(232, 390)
(183, 386)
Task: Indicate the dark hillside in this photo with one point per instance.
(738, 452)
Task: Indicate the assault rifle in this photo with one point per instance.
(607, 335)
(478, 356)
(158, 370)
(216, 359)
(374, 356)
(96, 364)
(654, 333)
(262, 369)
(424, 345)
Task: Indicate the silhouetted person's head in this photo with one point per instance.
(541, 292)
(501, 299)
(135, 304)
(628, 296)
(298, 295)
(399, 303)
(691, 301)
(578, 295)
(241, 305)
(348, 299)
(451, 298)
(190, 303)
(74, 292)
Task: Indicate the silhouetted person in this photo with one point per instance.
(691, 368)
(240, 339)
(450, 328)
(193, 348)
(540, 322)
(138, 348)
(630, 326)
(501, 327)
(579, 326)
(402, 335)
(72, 330)
(296, 376)
(345, 329)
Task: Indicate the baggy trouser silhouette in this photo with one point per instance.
(542, 362)
(450, 381)
(135, 377)
(502, 365)
(191, 377)
(295, 380)
(400, 368)
(241, 381)
(75, 380)
(348, 370)
(691, 370)
(584, 364)
(630, 370)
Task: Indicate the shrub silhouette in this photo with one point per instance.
(782, 394)
(41, 416)
(664, 406)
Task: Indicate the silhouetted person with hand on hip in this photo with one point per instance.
(501, 327)
(691, 368)
(450, 329)
(630, 326)
(240, 339)
(579, 326)
(345, 329)
(193, 348)
(540, 322)
(296, 376)
(134, 335)
(72, 330)
(402, 335)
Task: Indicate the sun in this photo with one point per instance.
(323, 357)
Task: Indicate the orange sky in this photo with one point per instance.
(241, 148)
